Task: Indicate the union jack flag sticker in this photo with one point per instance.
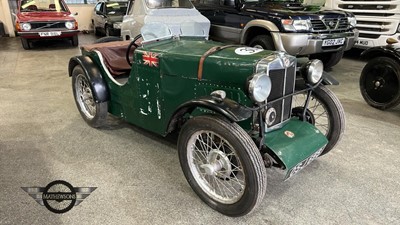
(150, 59)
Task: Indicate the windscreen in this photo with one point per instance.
(116, 8)
(159, 4)
(42, 5)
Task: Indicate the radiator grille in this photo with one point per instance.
(48, 25)
(330, 25)
(282, 84)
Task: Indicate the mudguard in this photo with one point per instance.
(296, 144)
(93, 74)
(388, 51)
(228, 108)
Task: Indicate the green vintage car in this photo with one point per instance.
(236, 108)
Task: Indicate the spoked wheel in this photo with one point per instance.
(94, 113)
(222, 165)
(324, 111)
(380, 83)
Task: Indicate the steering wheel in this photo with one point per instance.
(130, 46)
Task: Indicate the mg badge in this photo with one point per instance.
(270, 116)
(289, 134)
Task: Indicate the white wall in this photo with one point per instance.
(5, 17)
(84, 17)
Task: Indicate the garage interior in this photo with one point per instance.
(138, 175)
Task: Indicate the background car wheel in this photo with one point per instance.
(329, 59)
(108, 39)
(94, 113)
(107, 31)
(380, 83)
(222, 165)
(75, 40)
(324, 111)
(95, 30)
(263, 41)
(25, 43)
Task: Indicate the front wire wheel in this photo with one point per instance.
(324, 111)
(222, 165)
(94, 113)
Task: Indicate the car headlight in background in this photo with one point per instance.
(296, 25)
(312, 71)
(259, 87)
(352, 21)
(70, 25)
(26, 26)
(117, 25)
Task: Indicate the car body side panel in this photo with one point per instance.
(174, 80)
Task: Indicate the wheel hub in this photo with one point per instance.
(298, 112)
(218, 164)
(378, 83)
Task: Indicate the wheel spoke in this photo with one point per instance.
(219, 171)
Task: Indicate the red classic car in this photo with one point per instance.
(45, 19)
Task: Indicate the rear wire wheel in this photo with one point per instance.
(222, 165)
(94, 113)
(324, 111)
(380, 83)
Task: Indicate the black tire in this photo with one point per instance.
(94, 113)
(244, 158)
(108, 39)
(264, 41)
(329, 59)
(25, 43)
(107, 31)
(325, 112)
(380, 83)
(95, 30)
(75, 40)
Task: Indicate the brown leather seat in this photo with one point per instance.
(114, 55)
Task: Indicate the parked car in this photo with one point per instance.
(172, 12)
(282, 25)
(380, 77)
(107, 17)
(45, 19)
(233, 107)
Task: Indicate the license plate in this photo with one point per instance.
(333, 42)
(303, 163)
(50, 34)
(363, 43)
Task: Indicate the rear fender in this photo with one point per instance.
(93, 74)
(228, 108)
(387, 51)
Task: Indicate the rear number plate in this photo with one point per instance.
(50, 34)
(303, 163)
(333, 42)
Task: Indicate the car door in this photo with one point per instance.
(99, 15)
(226, 21)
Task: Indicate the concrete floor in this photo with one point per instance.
(43, 138)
